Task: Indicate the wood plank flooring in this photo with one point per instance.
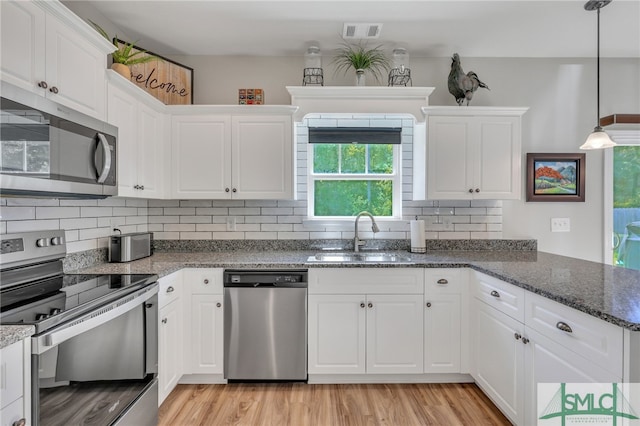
(299, 404)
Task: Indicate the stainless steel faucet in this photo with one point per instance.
(374, 227)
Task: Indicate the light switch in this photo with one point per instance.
(560, 224)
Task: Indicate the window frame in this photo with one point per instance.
(395, 177)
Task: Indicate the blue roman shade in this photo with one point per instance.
(355, 135)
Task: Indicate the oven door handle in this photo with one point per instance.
(91, 320)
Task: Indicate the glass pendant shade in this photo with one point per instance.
(313, 57)
(598, 139)
(400, 58)
(313, 73)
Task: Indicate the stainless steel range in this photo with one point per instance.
(95, 350)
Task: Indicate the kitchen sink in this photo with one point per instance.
(360, 257)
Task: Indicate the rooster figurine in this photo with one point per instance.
(462, 85)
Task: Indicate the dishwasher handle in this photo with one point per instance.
(266, 285)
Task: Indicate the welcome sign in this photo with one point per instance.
(166, 80)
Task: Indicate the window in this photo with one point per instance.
(354, 169)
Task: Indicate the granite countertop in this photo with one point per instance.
(10, 334)
(606, 292)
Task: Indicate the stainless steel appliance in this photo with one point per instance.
(128, 247)
(95, 350)
(47, 149)
(265, 325)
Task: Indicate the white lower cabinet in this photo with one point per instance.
(170, 333)
(15, 384)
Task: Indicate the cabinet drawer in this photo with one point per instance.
(444, 281)
(12, 412)
(170, 288)
(11, 373)
(588, 336)
(204, 280)
(503, 296)
(366, 281)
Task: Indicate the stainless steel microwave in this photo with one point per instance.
(50, 150)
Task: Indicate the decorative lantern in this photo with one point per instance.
(400, 74)
(312, 73)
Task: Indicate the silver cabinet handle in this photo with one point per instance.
(564, 327)
(226, 190)
(525, 340)
(218, 304)
(362, 304)
(170, 289)
(164, 320)
(518, 336)
(495, 293)
(234, 190)
(206, 281)
(142, 187)
(428, 304)
(54, 89)
(106, 167)
(21, 422)
(370, 305)
(43, 84)
(477, 189)
(442, 281)
(470, 190)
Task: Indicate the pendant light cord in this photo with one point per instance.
(598, 73)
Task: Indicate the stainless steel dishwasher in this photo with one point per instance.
(265, 325)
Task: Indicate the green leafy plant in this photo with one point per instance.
(359, 57)
(123, 53)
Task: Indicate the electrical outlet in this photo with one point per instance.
(231, 223)
(560, 224)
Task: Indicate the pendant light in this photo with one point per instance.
(598, 139)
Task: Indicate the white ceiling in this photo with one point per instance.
(427, 28)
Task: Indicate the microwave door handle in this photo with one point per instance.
(106, 152)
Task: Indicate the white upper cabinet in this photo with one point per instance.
(232, 155)
(473, 153)
(50, 51)
(143, 132)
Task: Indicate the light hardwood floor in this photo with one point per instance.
(299, 404)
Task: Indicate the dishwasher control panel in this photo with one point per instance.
(255, 278)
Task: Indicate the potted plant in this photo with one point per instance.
(124, 56)
(361, 59)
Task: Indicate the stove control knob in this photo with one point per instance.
(55, 311)
(56, 241)
(42, 242)
(41, 316)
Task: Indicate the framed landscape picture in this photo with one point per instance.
(555, 177)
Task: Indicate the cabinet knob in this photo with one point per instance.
(495, 293)
(564, 327)
(54, 89)
(470, 190)
(142, 187)
(43, 84)
(442, 281)
(235, 190)
(518, 336)
(170, 289)
(226, 190)
(370, 305)
(136, 186)
(362, 304)
(206, 281)
(525, 340)
(477, 189)
(21, 422)
(428, 304)
(164, 320)
(218, 304)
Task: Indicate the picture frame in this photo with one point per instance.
(166, 80)
(556, 177)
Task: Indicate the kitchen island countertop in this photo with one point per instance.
(609, 293)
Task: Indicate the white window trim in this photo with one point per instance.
(395, 177)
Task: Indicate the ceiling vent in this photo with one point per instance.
(361, 31)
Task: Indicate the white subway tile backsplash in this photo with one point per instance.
(32, 225)
(163, 219)
(94, 233)
(164, 203)
(57, 212)
(196, 203)
(196, 235)
(33, 202)
(180, 211)
(219, 227)
(125, 211)
(136, 220)
(244, 211)
(212, 211)
(17, 213)
(183, 227)
(96, 211)
(195, 219)
(113, 202)
(76, 246)
(69, 203)
(80, 223)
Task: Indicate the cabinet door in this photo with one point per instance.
(262, 157)
(497, 166)
(500, 360)
(449, 158)
(76, 69)
(550, 362)
(394, 334)
(169, 348)
(442, 333)
(337, 334)
(122, 113)
(151, 137)
(22, 48)
(201, 148)
(207, 340)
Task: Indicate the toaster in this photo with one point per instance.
(128, 247)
